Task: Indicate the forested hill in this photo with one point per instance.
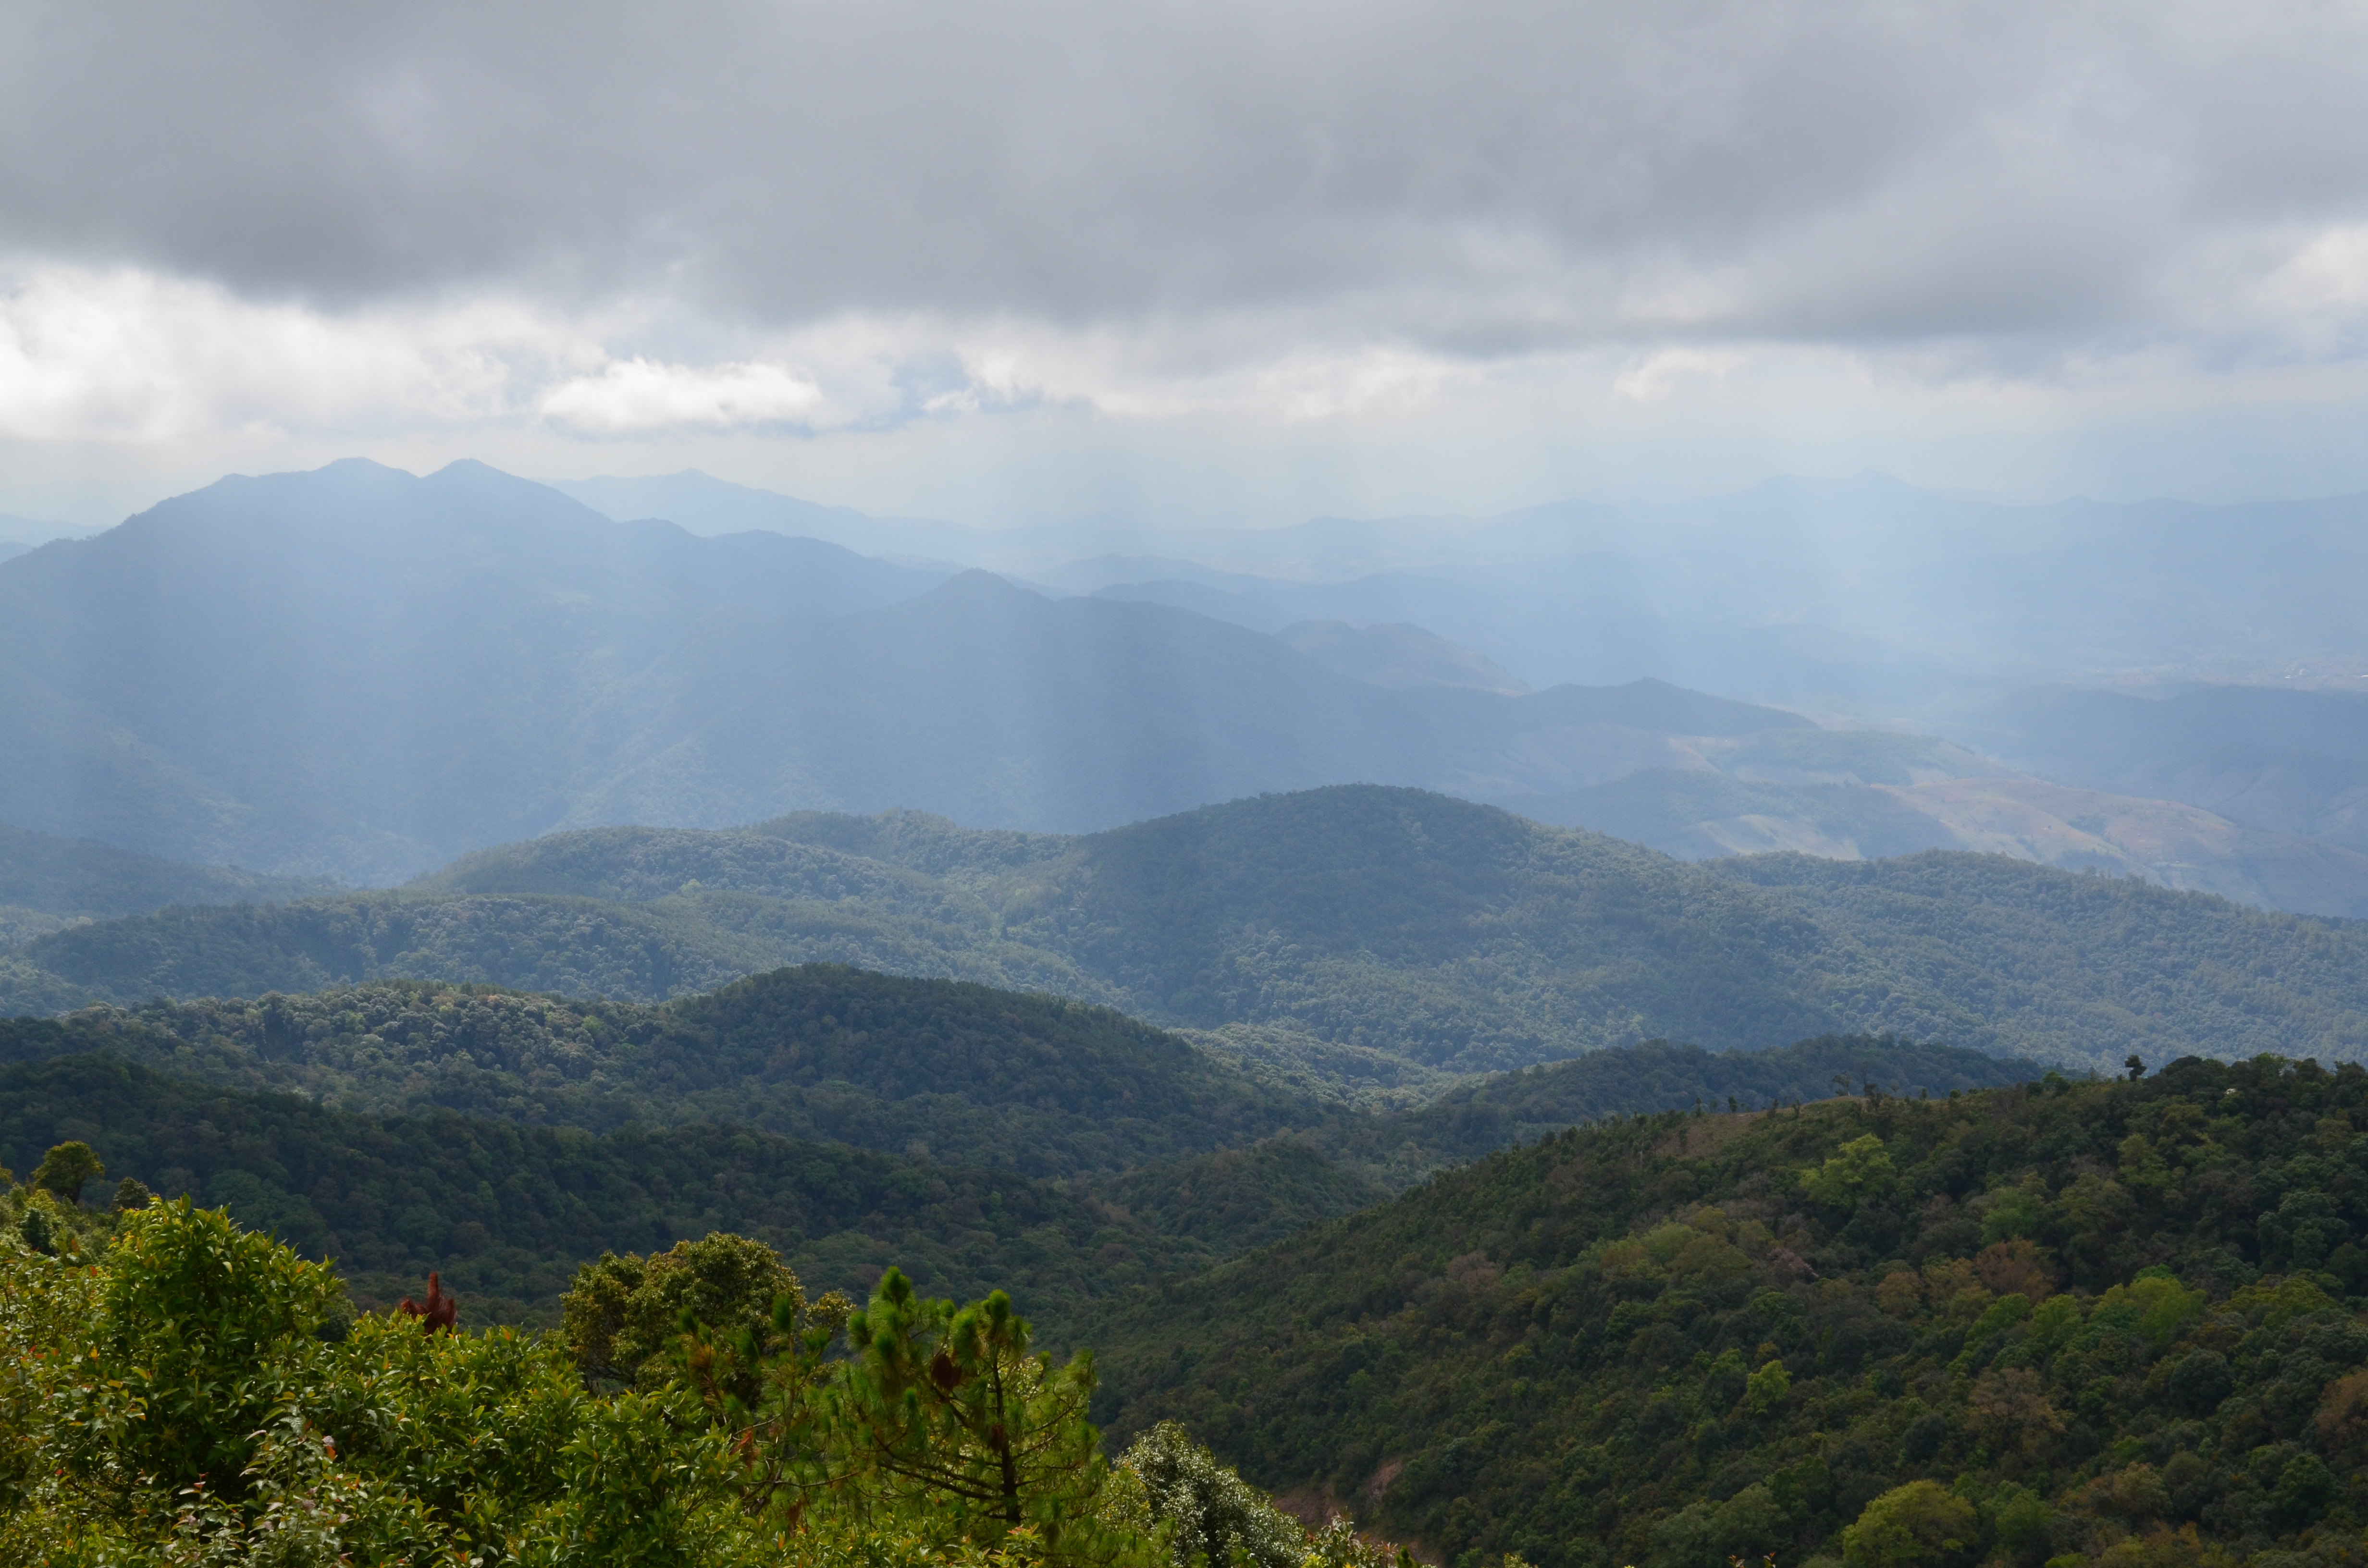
(2003, 1326)
(1495, 1110)
(507, 1212)
(934, 1069)
(504, 1137)
(1415, 928)
(938, 1069)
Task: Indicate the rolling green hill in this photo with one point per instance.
(935, 1069)
(2060, 1318)
(574, 947)
(940, 1069)
(1413, 927)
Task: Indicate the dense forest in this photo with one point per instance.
(2116, 1320)
(507, 1212)
(928, 1069)
(2116, 1323)
(175, 1390)
(1030, 1083)
(1411, 928)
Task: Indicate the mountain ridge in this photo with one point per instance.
(1410, 928)
(423, 666)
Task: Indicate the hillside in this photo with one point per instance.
(941, 1070)
(918, 1090)
(505, 1212)
(935, 1069)
(2084, 1313)
(1478, 1116)
(1341, 929)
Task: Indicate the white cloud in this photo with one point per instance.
(639, 395)
(128, 356)
(453, 229)
(1658, 375)
(124, 355)
(1521, 175)
(2322, 288)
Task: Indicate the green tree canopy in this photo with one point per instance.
(66, 1169)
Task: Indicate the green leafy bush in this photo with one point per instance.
(174, 1403)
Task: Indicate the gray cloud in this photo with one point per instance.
(1479, 179)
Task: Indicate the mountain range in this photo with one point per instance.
(359, 674)
(1863, 596)
(1362, 937)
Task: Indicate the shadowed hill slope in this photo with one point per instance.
(507, 1211)
(963, 1072)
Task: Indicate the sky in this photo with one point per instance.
(1189, 263)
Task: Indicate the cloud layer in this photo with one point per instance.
(840, 216)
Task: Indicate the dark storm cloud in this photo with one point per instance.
(1485, 177)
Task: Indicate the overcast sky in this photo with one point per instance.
(1197, 261)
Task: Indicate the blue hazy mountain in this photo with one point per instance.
(354, 670)
(1863, 596)
(82, 878)
(360, 673)
(20, 536)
